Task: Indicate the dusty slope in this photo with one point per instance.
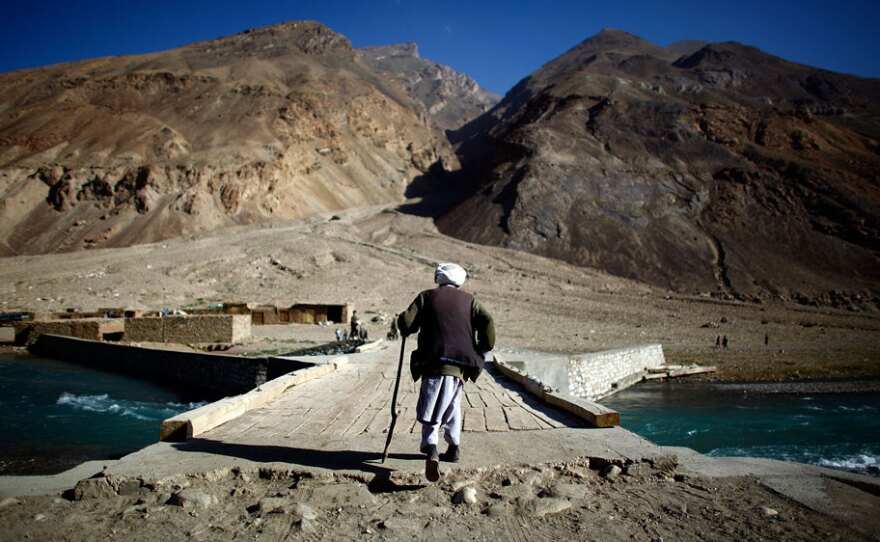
(727, 171)
(379, 259)
(275, 122)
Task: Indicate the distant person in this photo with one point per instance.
(455, 333)
(766, 339)
(355, 324)
(718, 342)
(338, 335)
(724, 342)
(392, 333)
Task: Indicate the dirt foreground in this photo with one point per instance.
(536, 502)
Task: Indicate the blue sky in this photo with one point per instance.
(496, 42)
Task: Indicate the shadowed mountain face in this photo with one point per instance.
(725, 170)
(276, 122)
(452, 98)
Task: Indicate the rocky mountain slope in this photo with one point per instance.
(726, 170)
(276, 122)
(452, 98)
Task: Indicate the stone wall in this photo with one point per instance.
(213, 375)
(591, 376)
(95, 329)
(600, 374)
(193, 329)
(551, 371)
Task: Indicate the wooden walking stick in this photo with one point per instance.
(394, 399)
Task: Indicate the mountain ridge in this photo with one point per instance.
(275, 122)
(728, 171)
(451, 98)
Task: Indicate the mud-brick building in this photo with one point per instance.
(308, 313)
(300, 313)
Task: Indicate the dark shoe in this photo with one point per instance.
(432, 463)
(452, 454)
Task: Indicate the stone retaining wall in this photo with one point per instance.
(214, 375)
(193, 329)
(595, 375)
(601, 374)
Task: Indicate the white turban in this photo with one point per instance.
(450, 273)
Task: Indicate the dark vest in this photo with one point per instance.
(446, 336)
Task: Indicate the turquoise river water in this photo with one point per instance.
(57, 415)
(838, 430)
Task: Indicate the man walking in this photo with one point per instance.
(455, 332)
(355, 324)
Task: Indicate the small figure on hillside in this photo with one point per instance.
(338, 334)
(724, 342)
(355, 324)
(718, 342)
(455, 333)
(362, 332)
(766, 339)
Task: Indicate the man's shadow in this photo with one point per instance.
(353, 460)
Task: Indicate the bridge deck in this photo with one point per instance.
(339, 421)
(356, 400)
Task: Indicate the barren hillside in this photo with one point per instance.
(276, 122)
(725, 171)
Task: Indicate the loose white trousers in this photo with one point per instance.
(440, 406)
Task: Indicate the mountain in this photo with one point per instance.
(726, 171)
(686, 47)
(275, 122)
(452, 98)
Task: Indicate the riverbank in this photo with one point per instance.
(837, 363)
(803, 387)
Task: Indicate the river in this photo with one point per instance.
(837, 430)
(57, 414)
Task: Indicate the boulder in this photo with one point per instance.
(93, 488)
(190, 499)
